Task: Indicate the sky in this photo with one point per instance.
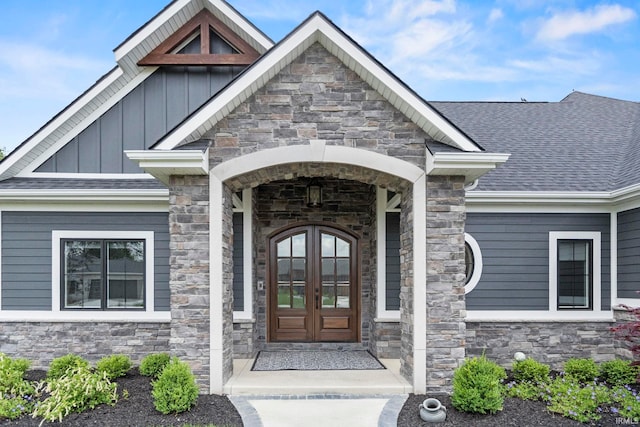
(446, 50)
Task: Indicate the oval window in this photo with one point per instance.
(473, 263)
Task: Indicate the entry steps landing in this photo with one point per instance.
(370, 382)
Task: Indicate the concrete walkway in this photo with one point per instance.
(367, 398)
(319, 410)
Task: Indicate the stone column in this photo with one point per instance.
(445, 280)
(189, 278)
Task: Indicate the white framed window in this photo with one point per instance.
(100, 274)
(574, 270)
(473, 263)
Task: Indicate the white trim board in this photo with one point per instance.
(538, 316)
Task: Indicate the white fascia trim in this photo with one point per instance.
(87, 205)
(381, 232)
(79, 195)
(25, 149)
(317, 29)
(216, 286)
(419, 285)
(629, 302)
(594, 236)
(56, 260)
(471, 165)
(247, 256)
(102, 108)
(111, 176)
(538, 316)
(64, 317)
(241, 22)
(164, 163)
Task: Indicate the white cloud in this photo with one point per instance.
(495, 15)
(566, 24)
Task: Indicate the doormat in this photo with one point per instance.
(321, 360)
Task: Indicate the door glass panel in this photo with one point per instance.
(328, 270)
(284, 295)
(342, 299)
(284, 248)
(342, 270)
(328, 245)
(299, 269)
(299, 245)
(298, 295)
(342, 248)
(328, 296)
(284, 270)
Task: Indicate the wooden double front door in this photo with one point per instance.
(313, 285)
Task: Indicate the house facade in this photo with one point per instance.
(217, 194)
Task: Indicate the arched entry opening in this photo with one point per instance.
(322, 160)
(313, 285)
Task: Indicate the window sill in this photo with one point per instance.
(538, 316)
(94, 316)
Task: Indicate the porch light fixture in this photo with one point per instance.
(314, 194)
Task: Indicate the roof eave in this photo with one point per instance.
(162, 164)
(470, 165)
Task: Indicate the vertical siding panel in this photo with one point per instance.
(629, 253)
(176, 96)
(89, 143)
(392, 278)
(238, 262)
(111, 140)
(67, 160)
(132, 127)
(199, 87)
(154, 109)
(220, 77)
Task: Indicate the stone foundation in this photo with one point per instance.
(41, 342)
(386, 340)
(547, 342)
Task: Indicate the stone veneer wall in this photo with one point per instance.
(189, 277)
(548, 342)
(41, 342)
(406, 285)
(445, 280)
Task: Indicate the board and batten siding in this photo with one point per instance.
(515, 257)
(392, 268)
(26, 252)
(238, 264)
(629, 254)
(139, 120)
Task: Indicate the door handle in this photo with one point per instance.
(317, 299)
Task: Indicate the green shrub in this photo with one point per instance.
(76, 391)
(525, 390)
(114, 366)
(16, 393)
(618, 372)
(531, 370)
(60, 365)
(175, 390)
(153, 364)
(477, 386)
(567, 396)
(581, 370)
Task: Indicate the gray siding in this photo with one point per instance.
(392, 277)
(515, 257)
(26, 252)
(238, 265)
(139, 120)
(629, 254)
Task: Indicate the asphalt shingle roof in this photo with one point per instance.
(582, 143)
(79, 184)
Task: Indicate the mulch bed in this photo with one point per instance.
(516, 412)
(138, 410)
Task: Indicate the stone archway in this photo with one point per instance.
(266, 164)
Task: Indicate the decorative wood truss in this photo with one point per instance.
(201, 27)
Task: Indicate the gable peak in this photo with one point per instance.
(204, 40)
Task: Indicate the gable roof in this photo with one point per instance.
(318, 28)
(582, 143)
(121, 80)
